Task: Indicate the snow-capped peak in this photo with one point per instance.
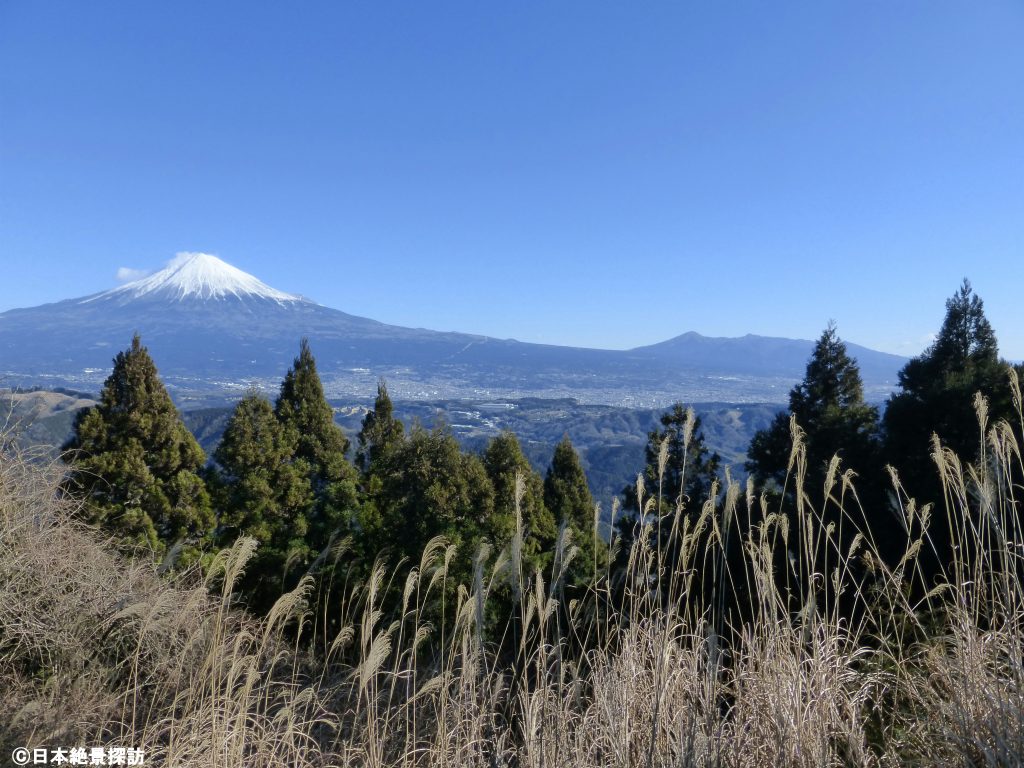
(198, 276)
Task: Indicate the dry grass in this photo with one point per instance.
(826, 656)
(98, 650)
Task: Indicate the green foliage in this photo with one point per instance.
(504, 460)
(568, 498)
(283, 479)
(426, 488)
(690, 468)
(829, 407)
(833, 420)
(937, 392)
(381, 439)
(381, 433)
(680, 474)
(321, 445)
(264, 492)
(136, 465)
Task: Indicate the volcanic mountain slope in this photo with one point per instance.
(763, 355)
(214, 329)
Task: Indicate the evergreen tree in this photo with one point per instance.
(264, 492)
(136, 465)
(690, 468)
(503, 459)
(381, 432)
(429, 487)
(829, 406)
(381, 440)
(567, 496)
(690, 471)
(321, 445)
(937, 395)
(680, 474)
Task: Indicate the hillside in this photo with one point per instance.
(40, 420)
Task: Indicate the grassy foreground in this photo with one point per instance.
(743, 638)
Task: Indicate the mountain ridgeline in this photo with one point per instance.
(216, 330)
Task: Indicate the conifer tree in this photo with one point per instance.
(429, 487)
(135, 463)
(321, 444)
(566, 492)
(937, 395)
(381, 432)
(504, 459)
(264, 492)
(680, 475)
(690, 468)
(380, 442)
(568, 497)
(829, 406)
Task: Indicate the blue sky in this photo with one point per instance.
(601, 174)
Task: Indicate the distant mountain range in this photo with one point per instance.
(215, 330)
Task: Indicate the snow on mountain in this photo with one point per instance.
(197, 276)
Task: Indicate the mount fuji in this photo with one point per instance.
(196, 276)
(215, 330)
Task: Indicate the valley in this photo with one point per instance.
(610, 439)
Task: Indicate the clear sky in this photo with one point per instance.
(589, 173)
